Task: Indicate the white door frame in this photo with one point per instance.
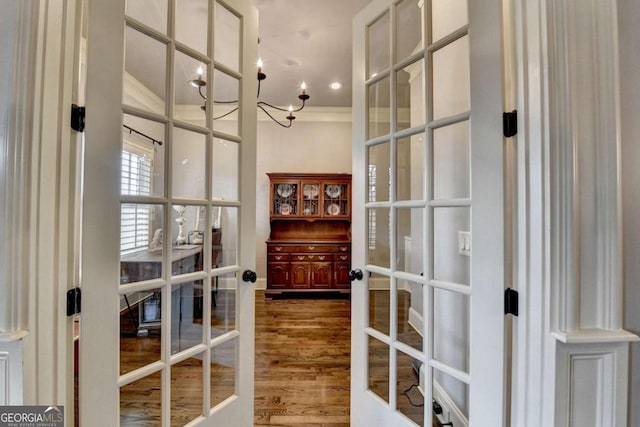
(101, 215)
(487, 344)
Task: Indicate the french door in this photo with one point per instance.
(167, 326)
(427, 319)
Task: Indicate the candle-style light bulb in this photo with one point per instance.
(200, 71)
(261, 75)
(303, 86)
(290, 108)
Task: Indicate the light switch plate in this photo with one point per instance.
(464, 243)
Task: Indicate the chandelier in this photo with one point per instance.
(199, 83)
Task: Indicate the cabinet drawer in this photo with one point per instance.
(311, 257)
(342, 257)
(280, 249)
(278, 257)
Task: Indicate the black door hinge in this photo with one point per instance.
(510, 123)
(74, 299)
(77, 118)
(510, 301)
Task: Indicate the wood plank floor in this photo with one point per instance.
(302, 361)
(302, 365)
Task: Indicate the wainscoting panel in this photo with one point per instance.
(11, 373)
(591, 385)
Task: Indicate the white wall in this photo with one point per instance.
(629, 16)
(308, 146)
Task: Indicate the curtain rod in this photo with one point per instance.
(132, 130)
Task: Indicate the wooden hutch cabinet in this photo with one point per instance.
(309, 247)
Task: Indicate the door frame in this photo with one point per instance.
(101, 190)
(486, 89)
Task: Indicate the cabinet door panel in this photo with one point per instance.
(321, 275)
(300, 275)
(342, 280)
(278, 275)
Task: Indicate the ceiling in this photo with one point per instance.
(299, 40)
(310, 41)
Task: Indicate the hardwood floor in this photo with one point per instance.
(302, 361)
(302, 365)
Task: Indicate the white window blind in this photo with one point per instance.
(135, 218)
(372, 212)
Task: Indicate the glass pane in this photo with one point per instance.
(409, 27)
(223, 371)
(140, 402)
(225, 109)
(226, 234)
(189, 162)
(410, 159)
(448, 263)
(336, 199)
(186, 390)
(187, 237)
(223, 304)
(379, 303)
(225, 169)
(311, 199)
(142, 167)
(192, 17)
(410, 400)
(410, 240)
(452, 162)
(379, 108)
(409, 297)
(379, 368)
(378, 180)
(227, 38)
(453, 397)
(451, 79)
(447, 16)
(140, 329)
(142, 88)
(141, 246)
(150, 12)
(285, 198)
(410, 96)
(190, 89)
(451, 329)
(378, 37)
(186, 316)
(379, 249)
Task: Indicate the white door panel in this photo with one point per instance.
(428, 172)
(169, 214)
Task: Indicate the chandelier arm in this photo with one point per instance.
(273, 118)
(299, 108)
(234, 101)
(226, 114)
(258, 95)
(272, 106)
(200, 92)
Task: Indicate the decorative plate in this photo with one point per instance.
(285, 209)
(284, 190)
(306, 211)
(333, 209)
(310, 191)
(333, 191)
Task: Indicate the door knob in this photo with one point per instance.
(249, 276)
(355, 275)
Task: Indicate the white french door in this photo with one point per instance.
(427, 319)
(167, 326)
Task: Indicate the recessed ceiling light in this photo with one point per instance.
(335, 85)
